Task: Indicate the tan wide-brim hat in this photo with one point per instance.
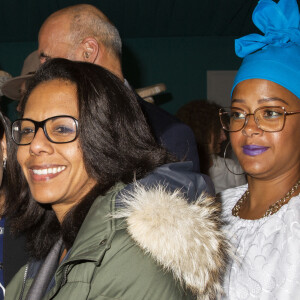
(12, 88)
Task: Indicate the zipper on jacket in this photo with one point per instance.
(24, 280)
(55, 290)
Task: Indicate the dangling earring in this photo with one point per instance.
(224, 156)
(4, 163)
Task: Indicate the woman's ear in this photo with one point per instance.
(4, 147)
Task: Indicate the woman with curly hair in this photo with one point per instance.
(203, 117)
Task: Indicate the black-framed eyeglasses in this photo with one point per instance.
(267, 118)
(59, 130)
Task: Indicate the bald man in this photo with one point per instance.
(83, 33)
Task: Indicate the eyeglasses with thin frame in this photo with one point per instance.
(267, 118)
(58, 129)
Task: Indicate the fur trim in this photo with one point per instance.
(184, 238)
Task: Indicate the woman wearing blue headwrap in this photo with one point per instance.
(263, 217)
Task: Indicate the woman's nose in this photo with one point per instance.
(40, 144)
(251, 127)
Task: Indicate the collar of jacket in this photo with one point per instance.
(93, 239)
(98, 229)
(184, 238)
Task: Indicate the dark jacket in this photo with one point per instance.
(168, 131)
(14, 255)
(137, 242)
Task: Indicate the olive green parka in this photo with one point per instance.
(157, 247)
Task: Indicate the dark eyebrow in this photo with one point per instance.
(263, 100)
(237, 101)
(259, 101)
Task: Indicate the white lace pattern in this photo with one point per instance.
(268, 252)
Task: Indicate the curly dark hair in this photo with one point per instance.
(203, 117)
(116, 145)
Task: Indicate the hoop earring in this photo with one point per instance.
(224, 157)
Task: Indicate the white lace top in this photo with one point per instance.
(268, 252)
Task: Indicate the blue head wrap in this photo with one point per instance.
(274, 56)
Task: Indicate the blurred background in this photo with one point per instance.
(186, 44)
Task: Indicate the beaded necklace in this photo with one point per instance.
(272, 208)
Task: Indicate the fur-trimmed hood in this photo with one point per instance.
(185, 238)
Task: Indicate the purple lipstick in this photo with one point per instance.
(254, 150)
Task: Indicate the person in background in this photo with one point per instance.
(12, 248)
(15, 87)
(263, 217)
(4, 76)
(110, 214)
(83, 33)
(203, 117)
